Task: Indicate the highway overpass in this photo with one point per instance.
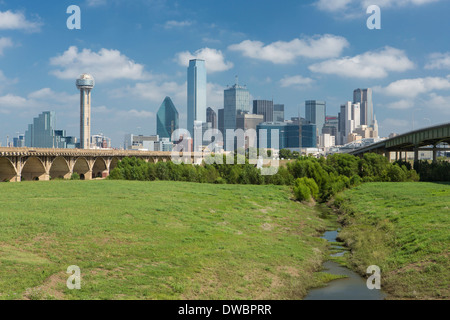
(414, 141)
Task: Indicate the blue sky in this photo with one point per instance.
(288, 50)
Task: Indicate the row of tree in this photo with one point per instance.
(310, 177)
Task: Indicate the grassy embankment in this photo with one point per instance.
(157, 240)
(404, 229)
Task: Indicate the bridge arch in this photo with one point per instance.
(114, 163)
(60, 169)
(82, 168)
(99, 169)
(33, 170)
(7, 170)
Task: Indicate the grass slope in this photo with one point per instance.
(158, 240)
(404, 229)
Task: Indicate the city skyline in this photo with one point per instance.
(408, 72)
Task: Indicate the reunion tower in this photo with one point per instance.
(85, 83)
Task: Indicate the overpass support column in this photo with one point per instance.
(435, 150)
(416, 154)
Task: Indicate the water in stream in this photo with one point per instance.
(354, 287)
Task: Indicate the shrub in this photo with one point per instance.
(75, 176)
(302, 192)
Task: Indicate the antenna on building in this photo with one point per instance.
(237, 81)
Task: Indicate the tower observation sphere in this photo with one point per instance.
(85, 83)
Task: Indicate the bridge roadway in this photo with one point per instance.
(411, 142)
(26, 164)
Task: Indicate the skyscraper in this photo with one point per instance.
(265, 108)
(42, 134)
(236, 100)
(278, 112)
(349, 118)
(221, 123)
(196, 94)
(167, 119)
(364, 98)
(315, 112)
(211, 117)
(85, 83)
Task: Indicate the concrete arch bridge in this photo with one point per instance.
(28, 164)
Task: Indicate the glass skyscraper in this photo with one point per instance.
(196, 94)
(42, 134)
(264, 107)
(236, 100)
(364, 98)
(315, 113)
(167, 119)
(278, 112)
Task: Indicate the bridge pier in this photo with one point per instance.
(435, 150)
(416, 154)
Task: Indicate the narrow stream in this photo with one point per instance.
(353, 287)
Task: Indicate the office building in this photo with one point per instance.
(167, 119)
(236, 100)
(196, 94)
(19, 141)
(364, 98)
(42, 134)
(220, 122)
(140, 142)
(293, 134)
(278, 112)
(331, 126)
(100, 141)
(349, 120)
(265, 108)
(85, 83)
(211, 117)
(315, 112)
(308, 135)
(247, 121)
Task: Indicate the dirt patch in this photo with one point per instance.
(267, 227)
(50, 289)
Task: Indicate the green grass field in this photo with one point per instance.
(156, 240)
(405, 229)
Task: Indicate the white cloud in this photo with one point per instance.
(296, 81)
(152, 91)
(5, 43)
(50, 95)
(214, 59)
(17, 21)
(281, 52)
(403, 104)
(355, 8)
(105, 65)
(439, 61)
(95, 3)
(214, 93)
(177, 24)
(133, 113)
(372, 64)
(437, 102)
(411, 88)
(395, 123)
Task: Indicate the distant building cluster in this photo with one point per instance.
(317, 131)
(355, 121)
